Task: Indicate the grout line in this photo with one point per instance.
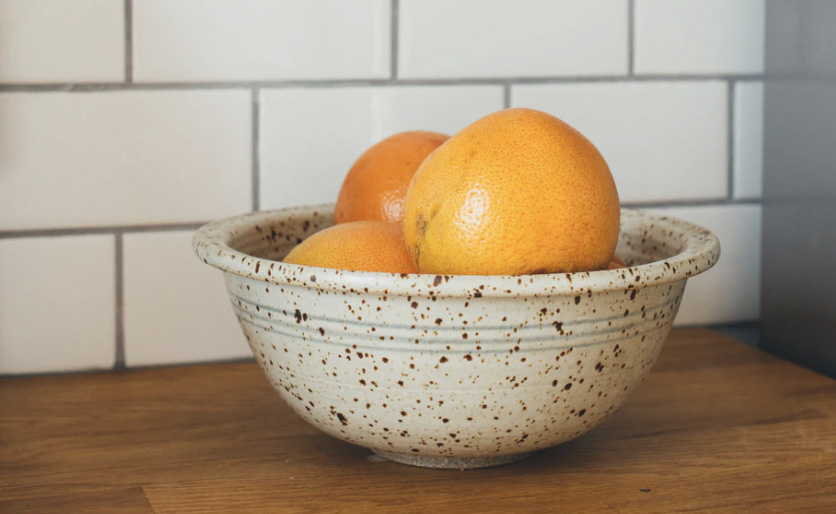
(129, 42)
(730, 139)
(691, 203)
(119, 360)
(83, 231)
(395, 25)
(121, 86)
(139, 367)
(210, 362)
(256, 178)
(121, 230)
(506, 96)
(631, 30)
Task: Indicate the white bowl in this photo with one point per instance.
(453, 371)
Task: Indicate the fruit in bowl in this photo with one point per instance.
(355, 246)
(503, 342)
(376, 184)
(485, 201)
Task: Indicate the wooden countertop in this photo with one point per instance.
(717, 426)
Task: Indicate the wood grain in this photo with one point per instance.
(717, 427)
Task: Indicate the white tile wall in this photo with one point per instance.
(229, 40)
(524, 38)
(748, 139)
(94, 142)
(663, 140)
(730, 291)
(699, 36)
(44, 41)
(114, 158)
(176, 307)
(57, 304)
(309, 138)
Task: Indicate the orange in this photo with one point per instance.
(375, 186)
(516, 192)
(617, 262)
(355, 246)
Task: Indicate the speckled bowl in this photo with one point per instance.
(453, 371)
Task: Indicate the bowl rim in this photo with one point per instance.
(699, 252)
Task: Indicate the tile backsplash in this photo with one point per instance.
(297, 124)
(524, 38)
(699, 36)
(664, 141)
(57, 303)
(124, 125)
(50, 41)
(225, 40)
(174, 311)
(72, 159)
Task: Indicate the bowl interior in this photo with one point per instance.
(637, 243)
(276, 239)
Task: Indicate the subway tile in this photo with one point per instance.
(116, 158)
(309, 138)
(699, 36)
(57, 304)
(176, 307)
(49, 41)
(225, 40)
(748, 139)
(663, 140)
(494, 38)
(730, 291)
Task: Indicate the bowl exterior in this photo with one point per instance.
(453, 376)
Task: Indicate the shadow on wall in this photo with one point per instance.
(799, 239)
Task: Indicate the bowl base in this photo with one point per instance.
(451, 462)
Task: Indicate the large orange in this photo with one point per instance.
(376, 184)
(356, 246)
(516, 192)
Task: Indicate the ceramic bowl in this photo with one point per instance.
(453, 371)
